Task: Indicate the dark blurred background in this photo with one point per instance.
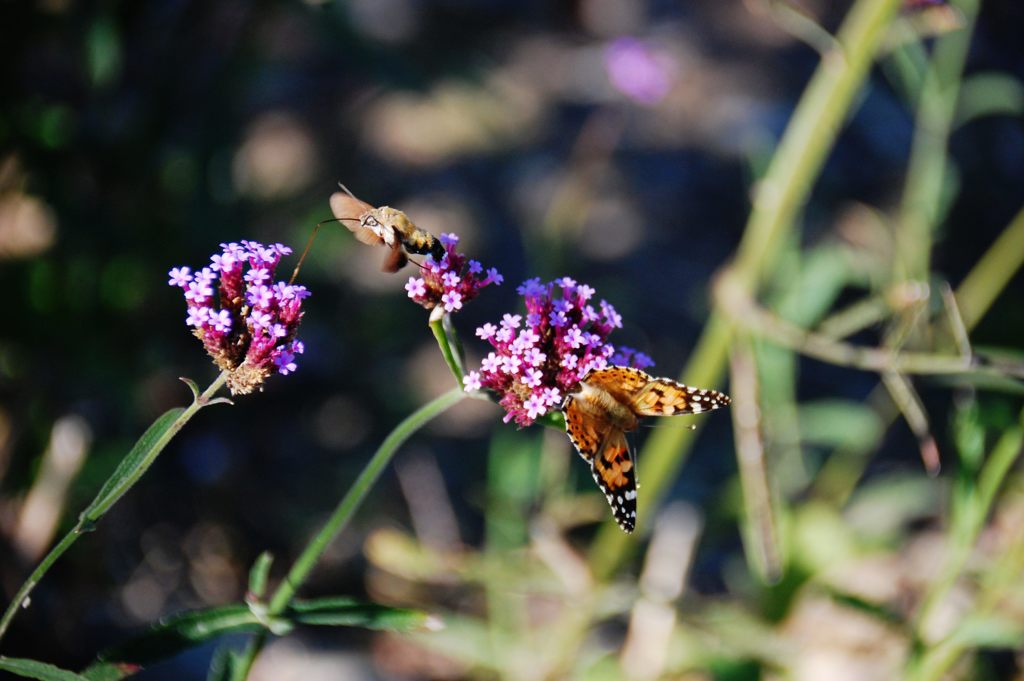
(135, 137)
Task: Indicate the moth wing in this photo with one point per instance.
(348, 210)
(395, 259)
(665, 397)
(614, 472)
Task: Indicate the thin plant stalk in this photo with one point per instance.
(781, 194)
(339, 519)
(353, 499)
(992, 272)
(108, 496)
(760, 534)
(449, 350)
(745, 314)
(920, 210)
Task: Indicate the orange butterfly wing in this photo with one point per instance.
(614, 473)
(649, 396)
(665, 397)
(605, 446)
(622, 383)
(611, 463)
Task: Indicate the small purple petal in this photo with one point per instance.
(471, 381)
(452, 301)
(179, 276)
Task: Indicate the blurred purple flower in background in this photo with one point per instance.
(639, 71)
(452, 282)
(246, 325)
(539, 359)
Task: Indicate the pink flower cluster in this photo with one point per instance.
(452, 282)
(247, 322)
(639, 71)
(535, 364)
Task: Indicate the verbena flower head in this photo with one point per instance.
(452, 282)
(639, 71)
(246, 321)
(539, 359)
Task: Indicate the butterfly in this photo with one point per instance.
(384, 226)
(610, 403)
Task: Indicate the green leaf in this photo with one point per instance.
(986, 382)
(839, 423)
(176, 634)
(132, 466)
(189, 629)
(225, 662)
(989, 94)
(33, 669)
(870, 608)
(258, 576)
(340, 611)
(989, 631)
(886, 506)
(553, 419)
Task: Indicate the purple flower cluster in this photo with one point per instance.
(639, 71)
(535, 364)
(246, 321)
(452, 282)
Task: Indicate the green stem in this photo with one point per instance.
(443, 342)
(992, 273)
(349, 504)
(101, 505)
(21, 599)
(920, 211)
(240, 671)
(744, 313)
(354, 497)
(809, 137)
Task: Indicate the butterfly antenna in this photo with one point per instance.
(309, 244)
(691, 426)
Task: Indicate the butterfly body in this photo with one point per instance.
(600, 404)
(610, 403)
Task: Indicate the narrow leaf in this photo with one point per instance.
(989, 94)
(189, 629)
(225, 661)
(989, 631)
(119, 481)
(339, 611)
(169, 638)
(33, 669)
(258, 576)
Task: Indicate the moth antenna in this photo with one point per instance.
(346, 190)
(309, 244)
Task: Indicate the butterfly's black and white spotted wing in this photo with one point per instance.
(606, 450)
